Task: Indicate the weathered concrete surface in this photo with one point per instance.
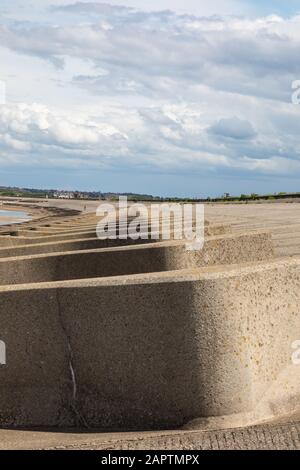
(276, 436)
(95, 243)
(267, 437)
(281, 218)
(206, 348)
(63, 246)
(27, 237)
(154, 257)
(153, 351)
(284, 436)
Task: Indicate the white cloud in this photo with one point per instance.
(233, 128)
(154, 89)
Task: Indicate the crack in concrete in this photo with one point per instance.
(73, 405)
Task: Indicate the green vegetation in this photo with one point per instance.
(134, 197)
(22, 192)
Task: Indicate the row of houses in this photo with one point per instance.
(70, 195)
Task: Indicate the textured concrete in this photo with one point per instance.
(63, 246)
(155, 257)
(27, 237)
(120, 337)
(145, 336)
(281, 219)
(268, 437)
(279, 436)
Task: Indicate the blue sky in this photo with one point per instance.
(165, 97)
(285, 8)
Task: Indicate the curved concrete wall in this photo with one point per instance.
(90, 344)
(26, 237)
(19, 246)
(62, 246)
(150, 351)
(136, 259)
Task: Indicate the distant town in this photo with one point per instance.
(6, 191)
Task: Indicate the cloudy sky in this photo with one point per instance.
(169, 97)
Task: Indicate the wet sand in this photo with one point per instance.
(8, 217)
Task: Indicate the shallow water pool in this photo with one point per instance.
(8, 217)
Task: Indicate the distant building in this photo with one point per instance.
(64, 195)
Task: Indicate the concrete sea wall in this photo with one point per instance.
(121, 335)
(151, 351)
(155, 257)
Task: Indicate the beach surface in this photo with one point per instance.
(8, 217)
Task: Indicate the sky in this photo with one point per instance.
(170, 97)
